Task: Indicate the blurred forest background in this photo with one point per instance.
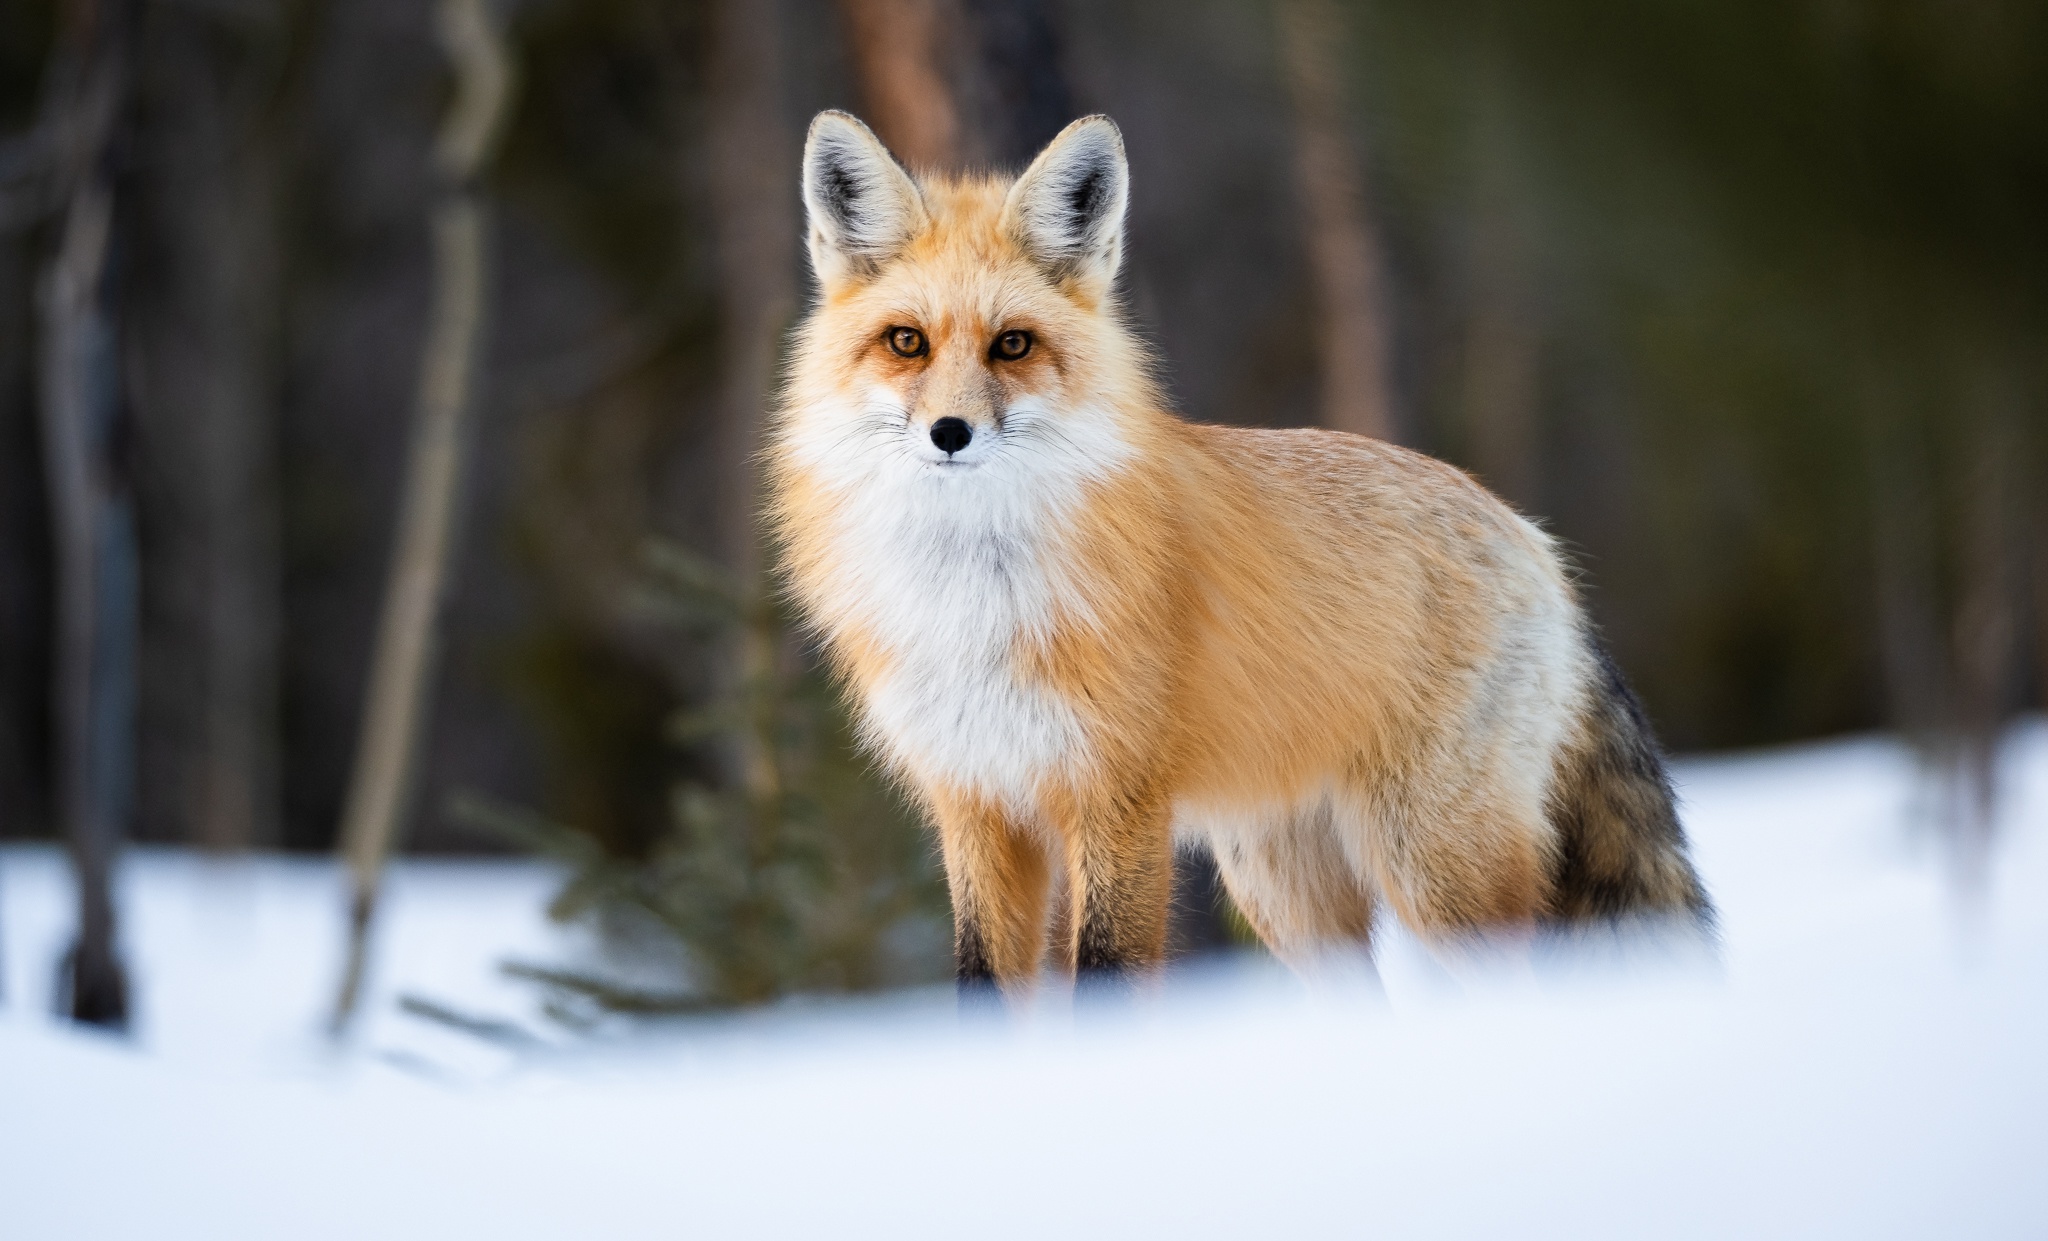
(1746, 301)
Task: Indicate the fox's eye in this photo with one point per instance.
(1012, 345)
(907, 341)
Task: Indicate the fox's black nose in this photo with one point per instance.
(951, 435)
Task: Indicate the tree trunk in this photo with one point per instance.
(899, 52)
(754, 231)
(402, 667)
(25, 548)
(1501, 374)
(91, 510)
(1345, 262)
(1903, 517)
(2036, 540)
(1502, 354)
(206, 419)
(1985, 629)
(1015, 85)
(955, 83)
(754, 234)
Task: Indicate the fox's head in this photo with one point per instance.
(963, 324)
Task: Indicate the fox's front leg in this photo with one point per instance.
(996, 871)
(1120, 871)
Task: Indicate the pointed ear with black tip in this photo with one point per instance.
(1067, 210)
(863, 207)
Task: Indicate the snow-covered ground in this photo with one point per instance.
(1864, 1063)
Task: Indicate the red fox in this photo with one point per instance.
(1078, 627)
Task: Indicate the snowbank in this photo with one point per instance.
(1859, 1067)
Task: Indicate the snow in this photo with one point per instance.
(1863, 1063)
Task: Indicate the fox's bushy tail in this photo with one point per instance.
(1621, 852)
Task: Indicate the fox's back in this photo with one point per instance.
(1359, 594)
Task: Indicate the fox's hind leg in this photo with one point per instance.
(1291, 878)
(1461, 867)
(996, 872)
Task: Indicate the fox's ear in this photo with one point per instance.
(1067, 210)
(863, 207)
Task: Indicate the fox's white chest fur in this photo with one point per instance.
(956, 598)
(952, 569)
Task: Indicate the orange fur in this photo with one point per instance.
(1346, 665)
